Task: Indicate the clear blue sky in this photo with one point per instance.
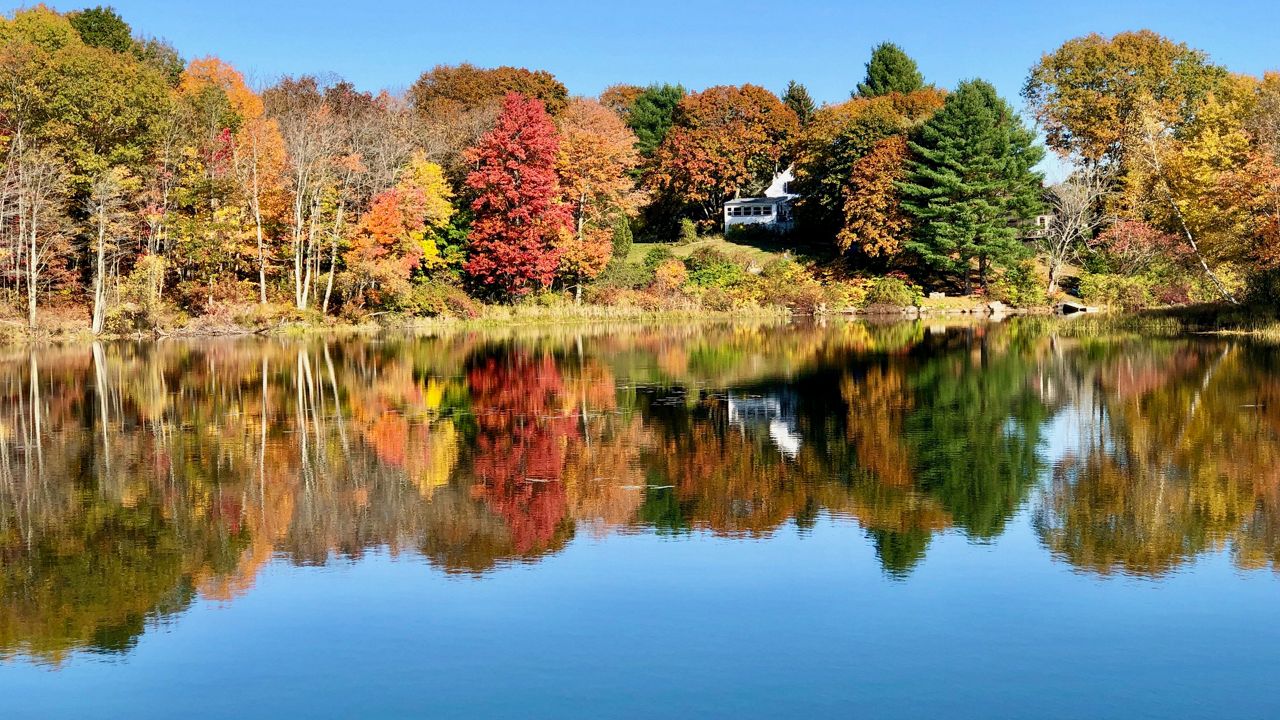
(590, 45)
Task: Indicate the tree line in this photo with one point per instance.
(138, 185)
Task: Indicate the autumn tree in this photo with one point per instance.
(890, 70)
(311, 137)
(520, 222)
(970, 184)
(466, 86)
(394, 237)
(597, 154)
(1093, 94)
(836, 139)
(70, 111)
(456, 104)
(1128, 101)
(874, 222)
(724, 141)
(619, 98)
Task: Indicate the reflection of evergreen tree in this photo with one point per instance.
(900, 552)
(974, 434)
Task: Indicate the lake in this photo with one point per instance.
(711, 520)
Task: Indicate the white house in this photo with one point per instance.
(773, 210)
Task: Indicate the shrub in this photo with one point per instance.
(891, 291)
(1129, 292)
(710, 268)
(624, 275)
(670, 275)
(688, 231)
(656, 256)
(1021, 286)
(435, 299)
(786, 283)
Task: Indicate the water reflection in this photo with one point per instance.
(136, 478)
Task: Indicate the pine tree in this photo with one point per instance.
(890, 70)
(970, 183)
(651, 115)
(797, 98)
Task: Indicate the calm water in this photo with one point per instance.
(713, 521)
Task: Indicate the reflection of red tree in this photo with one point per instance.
(524, 422)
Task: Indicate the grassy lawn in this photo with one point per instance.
(758, 252)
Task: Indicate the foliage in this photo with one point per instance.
(430, 298)
(723, 141)
(622, 237)
(650, 115)
(1020, 285)
(620, 98)
(669, 275)
(688, 232)
(102, 27)
(395, 236)
(874, 222)
(970, 182)
(837, 137)
(711, 268)
(520, 222)
(891, 290)
(890, 70)
(597, 155)
(1090, 95)
(454, 88)
(1127, 292)
(656, 256)
(797, 98)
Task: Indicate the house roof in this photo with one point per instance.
(738, 202)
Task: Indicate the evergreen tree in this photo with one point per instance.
(651, 114)
(970, 183)
(797, 98)
(890, 70)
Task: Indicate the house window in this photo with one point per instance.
(768, 210)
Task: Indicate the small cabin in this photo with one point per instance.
(772, 211)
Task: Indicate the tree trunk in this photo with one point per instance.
(99, 289)
(33, 276)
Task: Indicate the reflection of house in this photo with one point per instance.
(772, 211)
(773, 413)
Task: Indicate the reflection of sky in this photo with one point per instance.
(638, 625)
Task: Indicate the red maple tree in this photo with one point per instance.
(519, 218)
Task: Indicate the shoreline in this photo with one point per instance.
(1259, 323)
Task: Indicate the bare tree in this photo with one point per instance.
(108, 214)
(1077, 204)
(310, 134)
(40, 186)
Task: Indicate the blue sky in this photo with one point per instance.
(591, 45)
